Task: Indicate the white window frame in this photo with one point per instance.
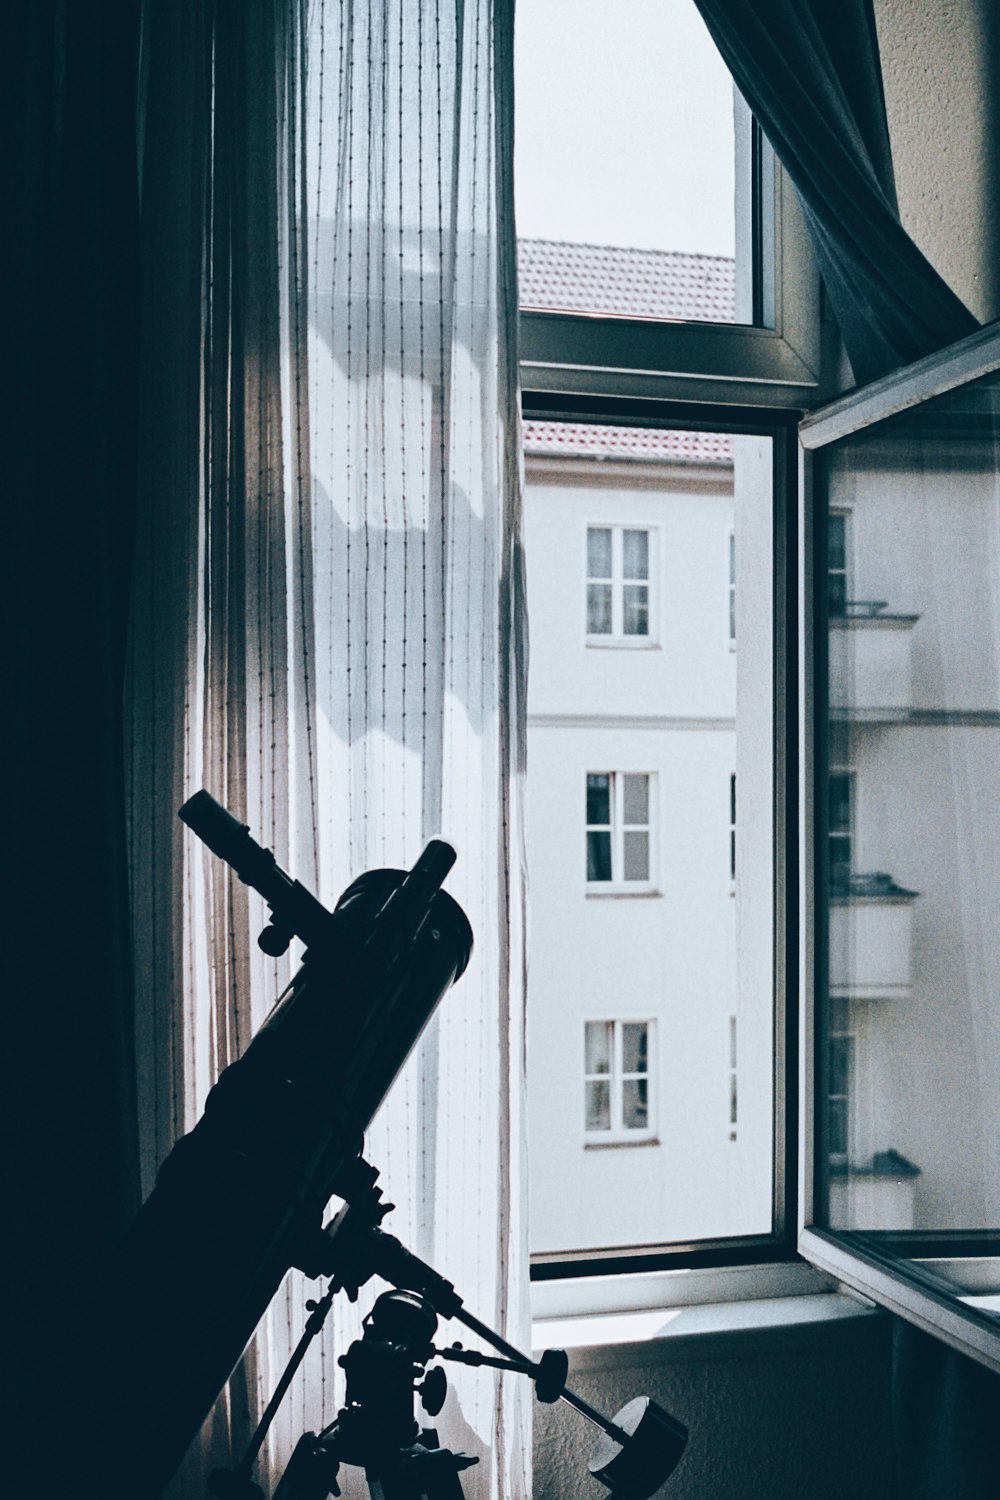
(731, 588)
(616, 637)
(617, 1134)
(618, 885)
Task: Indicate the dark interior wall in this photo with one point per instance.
(771, 1413)
(71, 336)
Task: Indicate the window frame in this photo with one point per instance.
(618, 1134)
(778, 1246)
(617, 639)
(618, 885)
(903, 1287)
(746, 380)
(776, 364)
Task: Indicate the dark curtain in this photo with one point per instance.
(71, 337)
(810, 72)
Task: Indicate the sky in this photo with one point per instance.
(624, 126)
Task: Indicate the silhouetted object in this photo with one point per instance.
(237, 1197)
(239, 1202)
(376, 1430)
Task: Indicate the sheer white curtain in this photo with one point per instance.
(329, 628)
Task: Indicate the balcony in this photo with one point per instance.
(871, 663)
(879, 1196)
(871, 919)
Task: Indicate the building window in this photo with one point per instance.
(836, 562)
(841, 1068)
(618, 828)
(731, 590)
(618, 583)
(617, 1104)
(732, 829)
(733, 1096)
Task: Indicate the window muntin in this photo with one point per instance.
(731, 590)
(618, 584)
(617, 1080)
(619, 827)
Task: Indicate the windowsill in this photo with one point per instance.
(629, 892)
(621, 642)
(700, 1331)
(593, 1143)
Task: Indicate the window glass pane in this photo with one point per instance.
(635, 1043)
(636, 856)
(598, 798)
(635, 609)
(635, 554)
(597, 1036)
(653, 926)
(635, 798)
(598, 609)
(625, 161)
(635, 1109)
(598, 856)
(912, 975)
(598, 552)
(598, 1106)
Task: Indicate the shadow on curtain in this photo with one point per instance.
(328, 618)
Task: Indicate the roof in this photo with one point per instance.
(635, 444)
(620, 282)
(624, 283)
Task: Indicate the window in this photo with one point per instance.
(733, 1093)
(617, 1077)
(905, 1173)
(841, 828)
(840, 1063)
(732, 829)
(618, 581)
(618, 828)
(836, 562)
(639, 418)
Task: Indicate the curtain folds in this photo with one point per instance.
(810, 73)
(329, 622)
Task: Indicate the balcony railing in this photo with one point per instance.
(871, 920)
(879, 1196)
(871, 677)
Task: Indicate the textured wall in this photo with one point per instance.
(773, 1415)
(941, 61)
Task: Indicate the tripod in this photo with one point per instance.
(376, 1429)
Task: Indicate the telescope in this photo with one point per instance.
(240, 1201)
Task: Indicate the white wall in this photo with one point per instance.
(667, 709)
(940, 62)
